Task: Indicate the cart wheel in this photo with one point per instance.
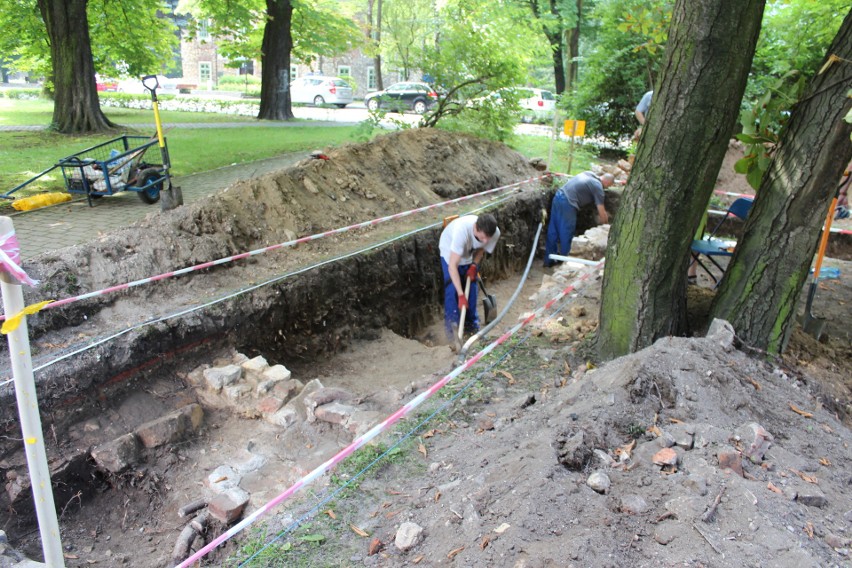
(152, 194)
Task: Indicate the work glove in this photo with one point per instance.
(463, 302)
(471, 272)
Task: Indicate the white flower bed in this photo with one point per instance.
(243, 108)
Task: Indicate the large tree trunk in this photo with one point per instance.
(771, 263)
(275, 61)
(708, 57)
(76, 107)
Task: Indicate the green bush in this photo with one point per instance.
(238, 80)
(23, 94)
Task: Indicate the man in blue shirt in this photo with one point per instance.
(581, 190)
(642, 112)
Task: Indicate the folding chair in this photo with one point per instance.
(710, 246)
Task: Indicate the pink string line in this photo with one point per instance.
(383, 426)
(243, 255)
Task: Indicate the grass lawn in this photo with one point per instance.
(24, 154)
(33, 113)
(539, 147)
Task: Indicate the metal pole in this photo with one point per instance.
(22, 372)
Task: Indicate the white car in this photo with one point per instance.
(134, 85)
(539, 102)
(536, 104)
(318, 91)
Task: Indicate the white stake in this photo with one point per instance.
(22, 371)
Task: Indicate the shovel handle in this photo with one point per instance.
(823, 243)
(464, 310)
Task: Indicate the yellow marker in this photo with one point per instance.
(575, 128)
(32, 441)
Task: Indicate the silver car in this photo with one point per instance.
(318, 91)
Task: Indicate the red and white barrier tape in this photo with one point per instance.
(383, 426)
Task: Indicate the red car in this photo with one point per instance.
(108, 85)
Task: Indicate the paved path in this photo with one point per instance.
(74, 222)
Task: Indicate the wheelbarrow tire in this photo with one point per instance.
(152, 194)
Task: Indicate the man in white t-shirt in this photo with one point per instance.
(463, 244)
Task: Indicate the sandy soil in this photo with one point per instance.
(498, 473)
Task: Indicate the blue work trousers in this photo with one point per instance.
(561, 227)
(451, 301)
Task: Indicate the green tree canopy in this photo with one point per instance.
(128, 37)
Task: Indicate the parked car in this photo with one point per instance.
(318, 91)
(537, 102)
(407, 95)
(106, 85)
(134, 85)
(534, 103)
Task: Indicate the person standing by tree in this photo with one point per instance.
(581, 190)
(642, 112)
(463, 244)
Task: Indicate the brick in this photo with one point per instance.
(269, 405)
(254, 368)
(334, 413)
(218, 377)
(732, 461)
(119, 454)
(162, 431)
(227, 507)
(172, 427)
(277, 373)
(666, 456)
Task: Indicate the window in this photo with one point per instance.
(203, 31)
(344, 71)
(204, 70)
(371, 78)
(294, 72)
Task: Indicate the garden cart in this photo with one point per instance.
(113, 166)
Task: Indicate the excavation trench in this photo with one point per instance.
(301, 321)
(106, 365)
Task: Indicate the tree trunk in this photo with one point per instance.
(76, 107)
(761, 288)
(275, 61)
(708, 57)
(572, 44)
(557, 49)
(380, 83)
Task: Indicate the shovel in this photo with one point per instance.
(489, 302)
(810, 323)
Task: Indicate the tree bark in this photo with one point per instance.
(708, 57)
(275, 59)
(761, 288)
(380, 83)
(572, 45)
(76, 107)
